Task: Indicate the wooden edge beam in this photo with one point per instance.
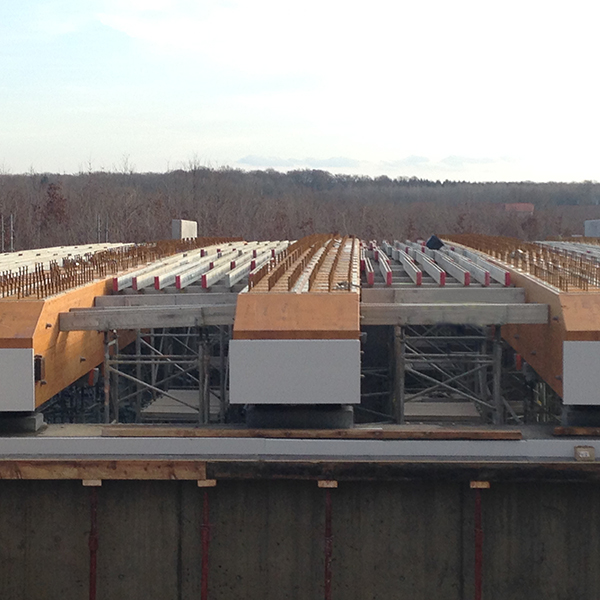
(424, 433)
(577, 431)
(99, 470)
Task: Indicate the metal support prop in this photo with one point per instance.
(222, 405)
(106, 377)
(115, 384)
(400, 371)
(93, 540)
(497, 377)
(206, 381)
(201, 397)
(138, 374)
(328, 544)
(153, 368)
(478, 546)
(205, 546)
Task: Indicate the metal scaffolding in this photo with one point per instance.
(163, 364)
(439, 364)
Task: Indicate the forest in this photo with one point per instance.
(53, 209)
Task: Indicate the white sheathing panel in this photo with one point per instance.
(17, 387)
(294, 371)
(581, 373)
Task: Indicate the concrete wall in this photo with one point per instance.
(403, 539)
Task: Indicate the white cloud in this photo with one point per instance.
(387, 83)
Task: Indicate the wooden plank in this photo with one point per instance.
(577, 431)
(166, 299)
(441, 411)
(448, 295)
(409, 433)
(105, 319)
(155, 469)
(459, 314)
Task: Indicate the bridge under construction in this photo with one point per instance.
(325, 417)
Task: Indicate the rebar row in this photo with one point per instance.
(293, 252)
(336, 261)
(560, 268)
(80, 270)
(351, 263)
(313, 276)
(293, 278)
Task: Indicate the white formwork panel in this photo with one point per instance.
(581, 373)
(17, 386)
(294, 371)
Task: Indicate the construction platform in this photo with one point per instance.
(232, 318)
(147, 482)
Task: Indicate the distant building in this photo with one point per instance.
(181, 229)
(592, 228)
(523, 208)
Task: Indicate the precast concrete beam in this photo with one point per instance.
(477, 272)
(437, 273)
(126, 280)
(452, 268)
(196, 272)
(497, 273)
(409, 265)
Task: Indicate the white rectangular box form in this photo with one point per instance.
(592, 228)
(181, 229)
(581, 373)
(294, 371)
(17, 385)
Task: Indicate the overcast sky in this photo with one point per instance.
(476, 90)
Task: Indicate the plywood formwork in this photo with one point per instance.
(296, 333)
(297, 316)
(30, 316)
(574, 311)
(66, 356)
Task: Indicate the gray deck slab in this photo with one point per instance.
(292, 449)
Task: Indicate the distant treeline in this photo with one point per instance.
(51, 209)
